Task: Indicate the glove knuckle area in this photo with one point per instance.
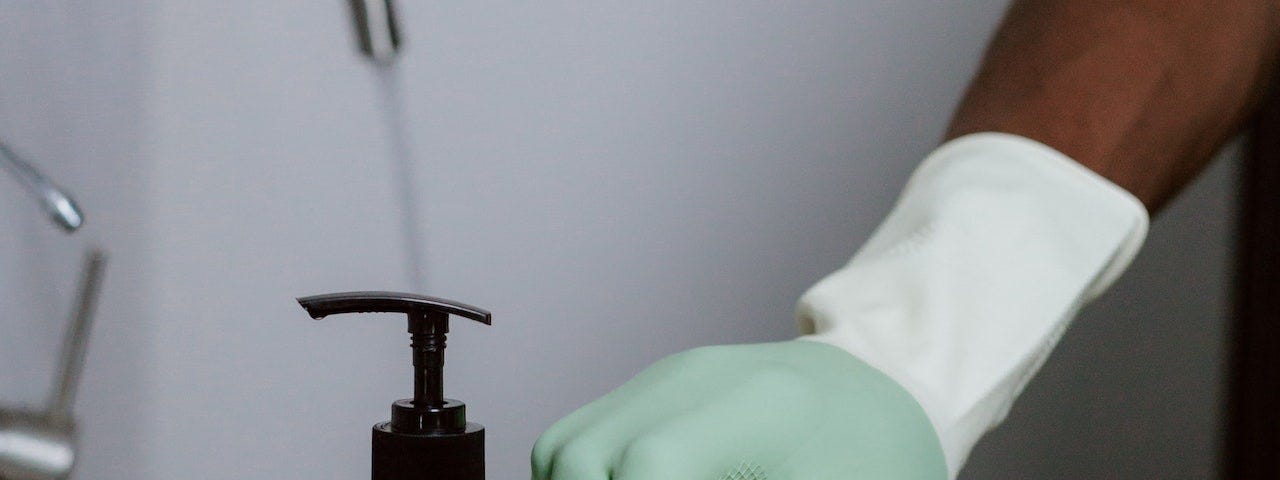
(649, 448)
(651, 457)
(668, 455)
(570, 429)
(576, 459)
(543, 450)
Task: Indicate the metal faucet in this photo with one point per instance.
(60, 207)
(41, 444)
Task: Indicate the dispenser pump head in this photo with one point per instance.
(428, 412)
(428, 435)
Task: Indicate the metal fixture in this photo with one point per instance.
(377, 31)
(40, 445)
(60, 207)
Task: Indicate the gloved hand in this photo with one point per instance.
(788, 410)
(938, 323)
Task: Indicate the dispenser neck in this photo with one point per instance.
(428, 334)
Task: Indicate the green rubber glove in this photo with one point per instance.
(795, 410)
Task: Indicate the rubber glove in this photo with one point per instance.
(787, 410)
(908, 354)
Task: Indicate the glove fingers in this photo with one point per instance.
(575, 445)
(743, 432)
(610, 421)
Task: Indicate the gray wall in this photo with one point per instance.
(616, 181)
(71, 91)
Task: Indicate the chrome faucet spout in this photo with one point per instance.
(56, 202)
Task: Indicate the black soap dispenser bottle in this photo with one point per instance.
(428, 437)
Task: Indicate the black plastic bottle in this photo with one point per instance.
(428, 437)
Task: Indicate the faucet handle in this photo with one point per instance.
(60, 207)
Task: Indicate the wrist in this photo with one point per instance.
(959, 295)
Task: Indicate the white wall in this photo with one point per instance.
(615, 181)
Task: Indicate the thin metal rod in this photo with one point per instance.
(377, 30)
(56, 202)
(403, 173)
(76, 339)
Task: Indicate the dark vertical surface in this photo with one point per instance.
(1136, 388)
(1253, 436)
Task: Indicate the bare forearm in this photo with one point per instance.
(1142, 92)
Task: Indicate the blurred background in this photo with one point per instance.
(616, 181)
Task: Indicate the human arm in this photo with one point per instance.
(1143, 92)
(958, 297)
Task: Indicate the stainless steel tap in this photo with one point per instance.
(40, 444)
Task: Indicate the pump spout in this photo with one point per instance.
(57, 203)
(428, 329)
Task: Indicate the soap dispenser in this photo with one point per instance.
(428, 437)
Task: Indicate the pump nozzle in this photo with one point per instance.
(428, 326)
(320, 306)
(428, 436)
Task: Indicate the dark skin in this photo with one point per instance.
(1141, 91)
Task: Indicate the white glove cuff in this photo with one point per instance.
(994, 245)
